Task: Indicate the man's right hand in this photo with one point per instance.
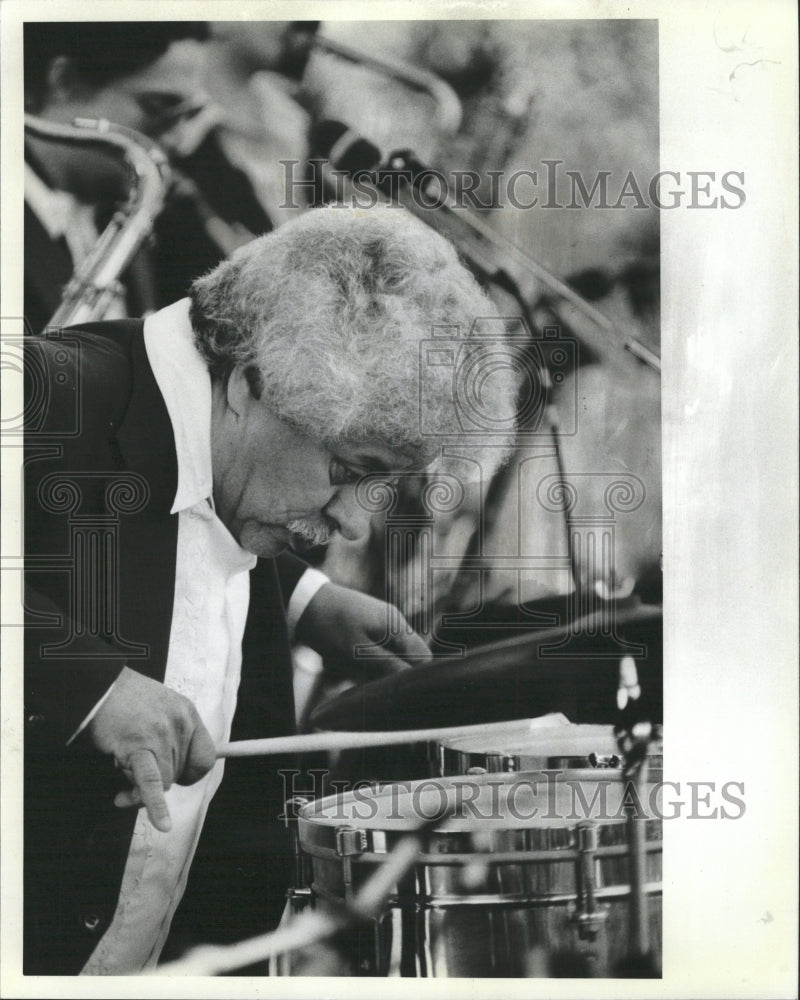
(156, 738)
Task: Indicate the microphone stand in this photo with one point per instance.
(496, 258)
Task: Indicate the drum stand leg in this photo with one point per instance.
(364, 944)
(298, 895)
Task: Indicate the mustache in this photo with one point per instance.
(312, 531)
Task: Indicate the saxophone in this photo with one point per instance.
(95, 285)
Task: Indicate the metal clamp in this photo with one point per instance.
(587, 842)
(351, 841)
(590, 924)
(299, 899)
(605, 760)
(292, 807)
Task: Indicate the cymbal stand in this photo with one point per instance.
(634, 739)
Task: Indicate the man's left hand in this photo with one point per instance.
(338, 619)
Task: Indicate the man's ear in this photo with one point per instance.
(238, 393)
(63, 82)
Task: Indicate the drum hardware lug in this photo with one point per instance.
(589, 924)
(605, 760)
(587, 838)
(510, 763)
(351, 841)
(588, 916)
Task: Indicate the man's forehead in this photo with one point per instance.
(181, 68)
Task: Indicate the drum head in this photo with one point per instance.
(534, 744)
(529, 736)
(480, 803)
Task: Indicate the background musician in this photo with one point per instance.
(230, 183)
(221, 104)
(143, 75)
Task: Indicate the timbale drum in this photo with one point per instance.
(530, 744)
(525, 875)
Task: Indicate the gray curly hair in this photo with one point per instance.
(329, 314)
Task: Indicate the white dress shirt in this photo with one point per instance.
(212, 589)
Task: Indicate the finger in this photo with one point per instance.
(396, 665)
(200, 756)
(628, 674)
(411, 646)
(147, 778)
(128, 798)
(384, 666)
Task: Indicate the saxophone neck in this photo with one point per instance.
(95, 283)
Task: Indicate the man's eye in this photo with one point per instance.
(342, 475)
(165, 110)
(156, 104)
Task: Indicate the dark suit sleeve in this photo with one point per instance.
(73, 403)
(60, 692)
(290, 569)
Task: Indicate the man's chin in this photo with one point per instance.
(264, 541)
(299, 545)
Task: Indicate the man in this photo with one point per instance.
(227, 157)
(151, 77)
(168, 464)
(142, 75)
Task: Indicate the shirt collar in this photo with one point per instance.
(185, 384)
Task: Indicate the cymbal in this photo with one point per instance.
(571, 668)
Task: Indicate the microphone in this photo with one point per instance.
(344, 148)
(349, 153)
(401, 176)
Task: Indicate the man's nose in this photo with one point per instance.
(352, 518)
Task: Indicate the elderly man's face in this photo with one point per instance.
(275, 488)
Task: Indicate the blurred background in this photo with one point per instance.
(581, 92)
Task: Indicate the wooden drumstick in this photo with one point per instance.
(313, 742)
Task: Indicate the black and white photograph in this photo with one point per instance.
(399, 457)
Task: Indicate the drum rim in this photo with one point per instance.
(316, 827)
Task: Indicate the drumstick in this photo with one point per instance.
(312, 742)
